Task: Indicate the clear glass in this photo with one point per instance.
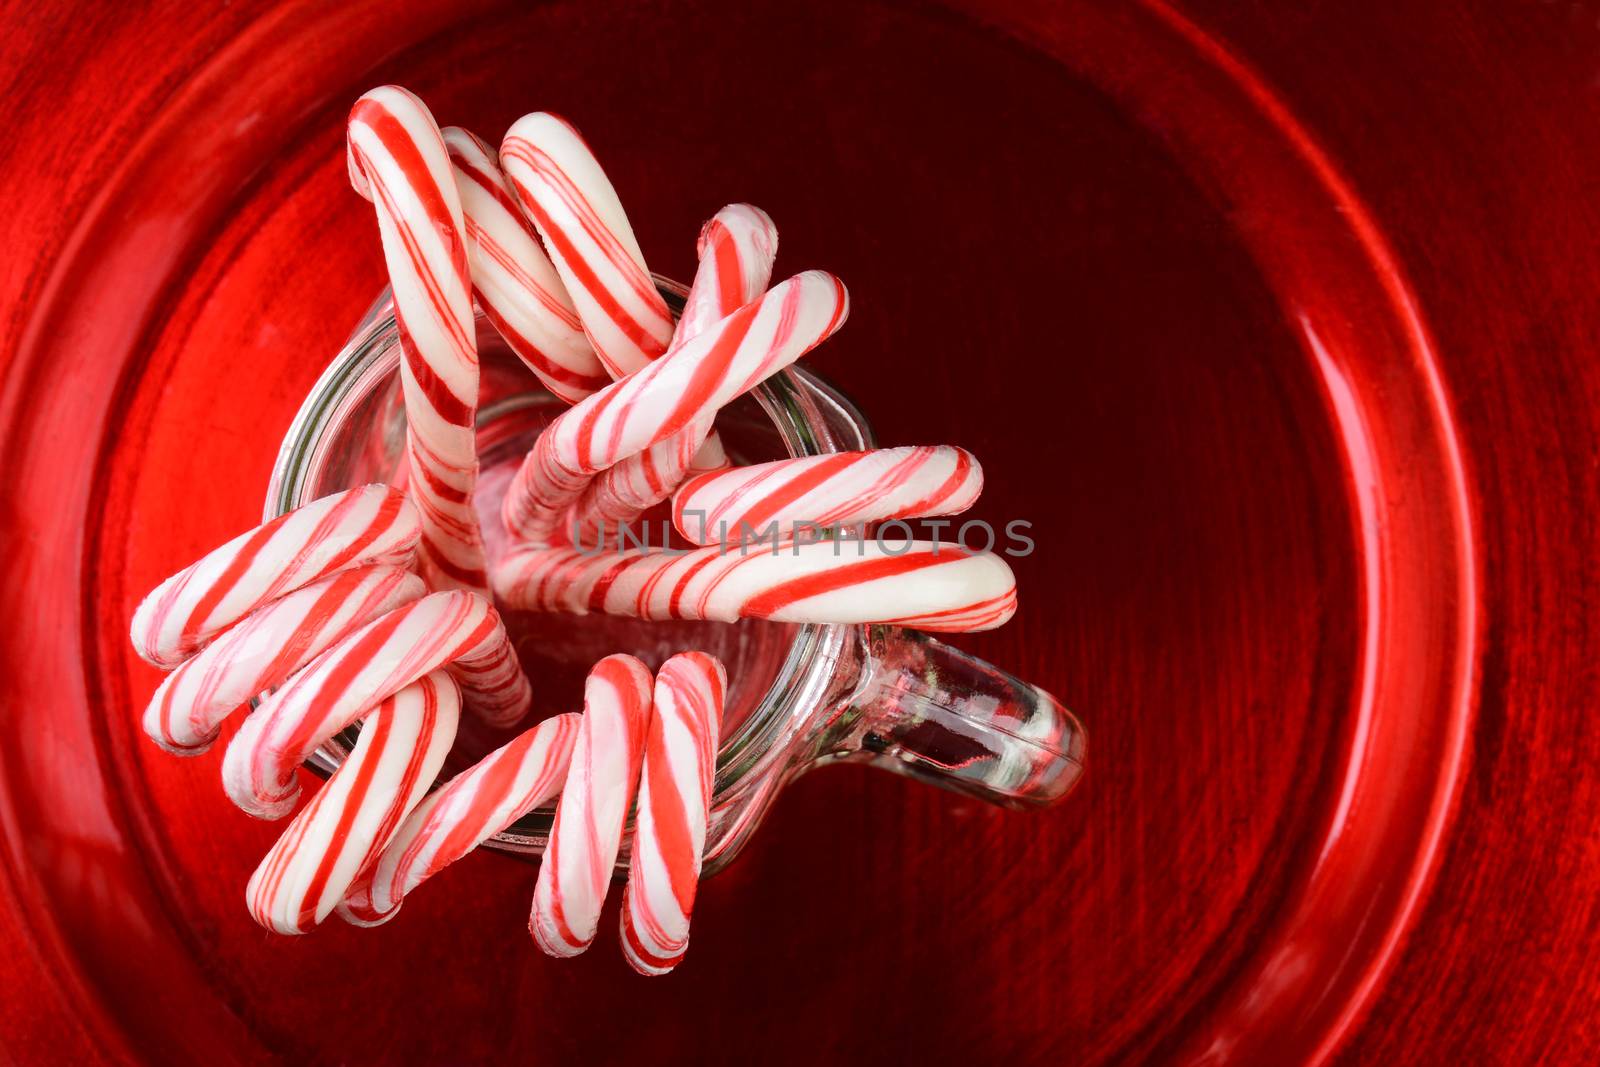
(799, 696)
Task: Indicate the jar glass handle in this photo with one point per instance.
(929, 711)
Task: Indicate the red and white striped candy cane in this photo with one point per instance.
(842, 489)
(456, 630)
(565, 191)
(370, 524)
(266, 648)
(516, 285)
(318, 604)
(669, 395)
(921, 584)
(737, 248)
(397, 159)
(480, 801)
(341, 832)
(572, 203)
(600, 785)
(594, 762)
(669, 834)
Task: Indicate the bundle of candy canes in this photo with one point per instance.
(375, 605)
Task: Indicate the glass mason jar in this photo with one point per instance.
(799, 695)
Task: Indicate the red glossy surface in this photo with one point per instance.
(1214, 296)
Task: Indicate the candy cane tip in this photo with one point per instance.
(391, 95)
(702, 664)
(365, 917)
(155, 730)
(457, 138)
(763, 232)
(268, 809)
(822, 280)
(641, 959)
(551, 943)
(535, 124)
(621, 662)
(382, 98)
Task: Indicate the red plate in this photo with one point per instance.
(1260, 332)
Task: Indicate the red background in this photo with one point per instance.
(1079, 303)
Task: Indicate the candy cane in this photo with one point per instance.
(370, 524)
(514, 281)
(737, 248)
(317, 604)
(457, 629)
(669, 395)
(923, 584)
(595, 799)
(565, 191)
(397, 159)
(343, 830)
(674, 805)
(600, 756)
(842, 489)
(480, 801)
(572, 203)
(264, 650)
